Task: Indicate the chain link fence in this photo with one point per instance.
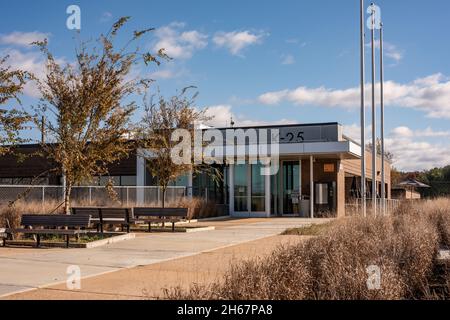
(92, 195)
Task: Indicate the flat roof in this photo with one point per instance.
(279, 126)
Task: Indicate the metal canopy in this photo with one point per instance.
(413, 183)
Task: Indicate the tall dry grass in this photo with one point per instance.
(10, 215)
(333, 266)
(199, 208)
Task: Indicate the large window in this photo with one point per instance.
(249, 189)
(116, 180)
(258, 189)
(180, 181)
(240, 188)
(24, 181)
(206, 185)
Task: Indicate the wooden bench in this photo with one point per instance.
(65, 225)
(3, 235)
(159, 215)
(103, 215)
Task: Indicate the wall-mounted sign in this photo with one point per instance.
(328, 167)
(299, 133)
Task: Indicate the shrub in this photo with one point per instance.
(282, 276)
(333, 265)
(199, 208)
(10, 215)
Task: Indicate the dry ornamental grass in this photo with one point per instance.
(333, 265)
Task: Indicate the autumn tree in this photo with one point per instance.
(162, 116)
(12, 120)
(387, 154)
(88, 105)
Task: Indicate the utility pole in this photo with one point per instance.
(374, 121)
(43, 129)
(363, 111)
(383, 188)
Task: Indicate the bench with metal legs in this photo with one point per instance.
(144, 215)
(104, 215)
(62, 225)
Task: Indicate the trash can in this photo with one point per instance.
(304, 208)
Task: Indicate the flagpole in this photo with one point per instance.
(363, 111)
(374, 122)
(383, 178)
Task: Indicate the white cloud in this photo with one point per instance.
(106, 16)
(353, 131)
(273, 97)
(428, 132)
(222, 115)
(403, 132)
(32, 61)
(429, 94)
(236, 41)
(163, 74)
(410, 149)
(179, 44)
(296, 41)
(287, 59)
(168, 73)
(390, 50)
(23, 39)
(412, 153)
(292, 41)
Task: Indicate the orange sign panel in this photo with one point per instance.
(328, 167)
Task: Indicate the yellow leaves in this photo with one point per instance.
(139, 33)
(87, 101)
(155, 133)
(11, 121)
(117, 25)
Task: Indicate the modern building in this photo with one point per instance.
(316, 162)
(402, 193)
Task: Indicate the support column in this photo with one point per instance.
(190, 191)
(340, 191)
(267, 191)
(249, 190)
(140, 176)
(311, 186)
(300, 188)
(231, 189)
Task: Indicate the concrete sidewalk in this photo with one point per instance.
(27, 269)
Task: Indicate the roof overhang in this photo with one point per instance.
(327, 150)
(339, 149)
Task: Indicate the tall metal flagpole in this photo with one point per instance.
(374, 122)
(383, 188)
(363, 112)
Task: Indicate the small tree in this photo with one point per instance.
(88, 105)
(11, 119)
(387, 154)
(160, 120)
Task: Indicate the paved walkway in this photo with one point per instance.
(26, 269)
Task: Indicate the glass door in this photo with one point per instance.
(291, 185)
(241, 188)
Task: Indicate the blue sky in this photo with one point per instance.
(273, 61)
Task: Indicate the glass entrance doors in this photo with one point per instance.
(291, 187)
